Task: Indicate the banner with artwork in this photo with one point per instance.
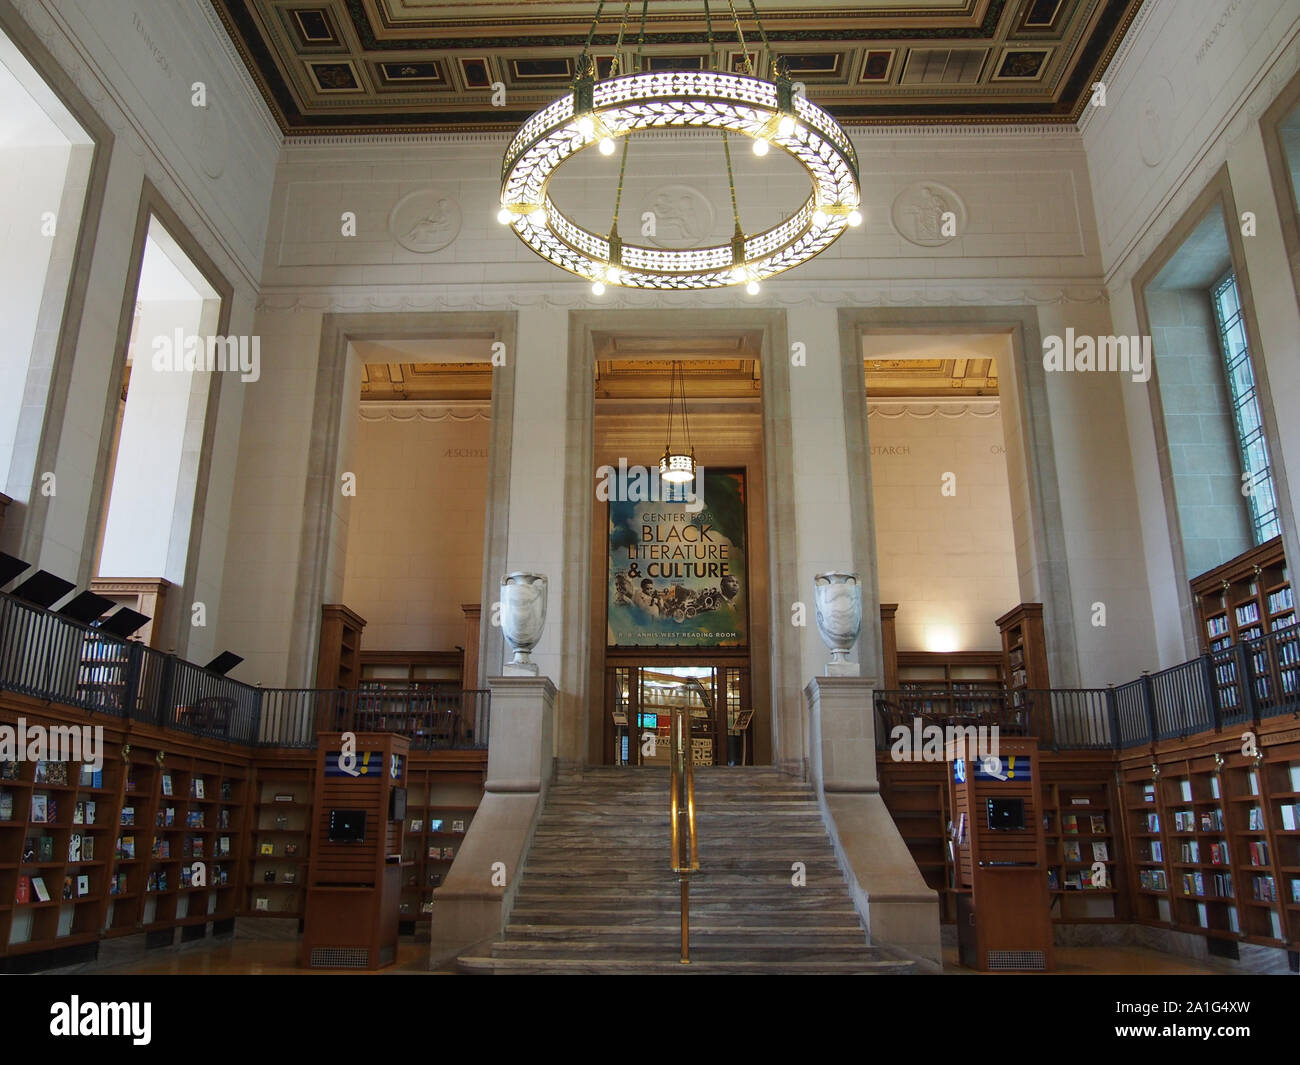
(677, 569)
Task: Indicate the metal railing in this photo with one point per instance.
(1241, 685)
(681, 818)
(47, 656)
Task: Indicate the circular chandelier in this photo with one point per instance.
(598, 112)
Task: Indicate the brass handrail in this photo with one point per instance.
(685, 852)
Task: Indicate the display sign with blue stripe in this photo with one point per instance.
(1006, 767)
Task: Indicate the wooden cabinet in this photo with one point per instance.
(339, 664)
(1024, 649)
(1245, 598)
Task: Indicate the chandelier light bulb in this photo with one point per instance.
(760, 146)
(503, 216)
(786, 126)
(855, 218)
(586, 126)
(607, 146)
(598, 288)
(752, 288)
(820, 218)
(613, 275)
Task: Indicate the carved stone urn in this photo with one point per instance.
(838, 597)
(523, 614)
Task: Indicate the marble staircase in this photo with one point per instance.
(597, 894)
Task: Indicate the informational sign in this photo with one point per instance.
(677, 571)
(368, 764)
(1008, 767)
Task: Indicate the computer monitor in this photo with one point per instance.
(1006, 815)
(347, 826)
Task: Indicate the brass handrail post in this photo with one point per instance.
(685, 851)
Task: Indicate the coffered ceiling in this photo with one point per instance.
(352, 66)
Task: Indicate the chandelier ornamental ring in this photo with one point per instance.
(599, 112)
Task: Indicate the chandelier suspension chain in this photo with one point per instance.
(627, 141)
(591, 33)
(762, 33)
(740, 34)
(726, 145)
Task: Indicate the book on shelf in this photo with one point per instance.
(458, 826)
(24, 890)
(6, 805)
(125, 847)
(74, 847)
(1293, 771)
(196, 788)
(1219, 854)
(1264, 888)
(269, 876)
(51, 772)
(128, 815)
(426, 906)
(435, 853)
(417, 824)
(1259, 852)
(1097, 823)
(262, 904)
(1073, 882)
(448, 853)
(1275, 924)
(83, 885)
(1100, 852)
(1295, 889)
(195, 819)
(1202, 915)
(162, 848)
(291, 850)
(290, 877)
(1053, 880)
(165, 817)
(90, 777)
(1191, 851)
(1185, 789)
(39, 889)
(1223, 885)
(283, 797)
(223, 818)
(40, 809)
(1070, 824)
(117, 885)
(69, 887)
(1211, 820)
(1280, 600)
(435, 825)
(1255, 820)
(222, 847)
(266, 850)
(1148, 793)
(167, 784)
(1234, 922)
(1290, 813)
(1157, 851)
(8, 770)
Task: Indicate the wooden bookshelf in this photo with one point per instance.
(339, 663)
(47, 841)
(1084, 841)
(1242, 600)
(443, 795)
(1209, 847)
(279, 842)
(1024, 648)
(916, 795)
(956, 671)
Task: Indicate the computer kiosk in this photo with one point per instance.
(354, 878)
(999, 857)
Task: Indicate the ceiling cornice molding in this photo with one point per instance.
(1114, 70)
(251, 91)
(1057, 131)
(425, 410)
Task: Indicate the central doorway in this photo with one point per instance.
(641, 694)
